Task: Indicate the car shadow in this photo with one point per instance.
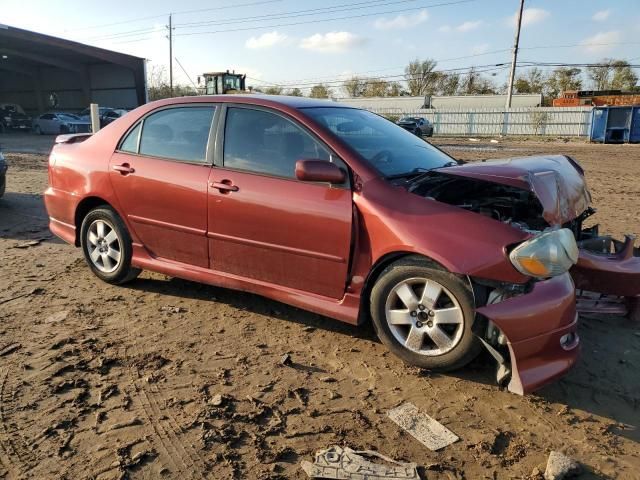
(176, 287)
(480, 371)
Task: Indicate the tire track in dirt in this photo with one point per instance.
(160, 435)
(177, 451)
(18, 459)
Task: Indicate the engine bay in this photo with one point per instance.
(517, 207)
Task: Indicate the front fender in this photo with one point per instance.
(464, 242)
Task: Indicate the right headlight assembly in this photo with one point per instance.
(548, 254)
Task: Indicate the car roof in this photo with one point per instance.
(263, 100)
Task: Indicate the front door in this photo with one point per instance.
(160, 174)
(266, 225)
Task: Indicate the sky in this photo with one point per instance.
(298, 43)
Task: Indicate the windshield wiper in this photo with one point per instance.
(419, 172)
(415, 172)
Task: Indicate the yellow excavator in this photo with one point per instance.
(218, 83)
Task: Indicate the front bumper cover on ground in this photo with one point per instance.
(541, 332)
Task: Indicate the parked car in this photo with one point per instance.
(417, 125)
(60, 122)
(102, 113)
(3, 174)
(111, 115)
(339, 211)
(13, 117)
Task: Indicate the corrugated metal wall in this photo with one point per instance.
(514, 121)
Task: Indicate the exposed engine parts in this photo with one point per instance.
(504, 203)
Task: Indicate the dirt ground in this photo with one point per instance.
(170, 379)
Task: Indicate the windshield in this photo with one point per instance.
(392, 150)
(231, 82)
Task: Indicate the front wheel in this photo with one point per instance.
(106, 245)
(425, 316)
(417, 132)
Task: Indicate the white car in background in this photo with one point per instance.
(60, 122)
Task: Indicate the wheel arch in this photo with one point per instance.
(84, 207)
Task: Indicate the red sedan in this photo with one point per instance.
(338, 211)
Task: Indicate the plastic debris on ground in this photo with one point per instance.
(431, 433)
(347, 464)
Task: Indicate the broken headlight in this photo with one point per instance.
(548, 254)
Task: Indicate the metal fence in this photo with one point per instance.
(513, 121)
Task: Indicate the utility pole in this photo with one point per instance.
(170, 56)
(514, 59)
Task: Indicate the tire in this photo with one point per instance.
(109, 259)
(3, 185)
(410, 336)
(417, 132)
(37, 130)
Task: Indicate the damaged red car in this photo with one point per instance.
(341, 212)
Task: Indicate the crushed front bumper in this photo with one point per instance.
(608, 266)
(541, 332)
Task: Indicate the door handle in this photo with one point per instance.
(124, 169)
(225, 186)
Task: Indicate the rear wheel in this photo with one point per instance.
(425, 316)
(106, 245)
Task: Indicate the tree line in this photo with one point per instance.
(422, 78)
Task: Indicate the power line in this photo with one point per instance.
(475, 68)
(296, 13)
(579, 45)
(181, 12)
(186, 74)
(364, 73)
(282, 16)
(274, 16)
(262, 27)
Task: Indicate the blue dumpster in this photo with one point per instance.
(615, 125)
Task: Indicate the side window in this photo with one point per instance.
(130, 143)
(177, 133)
(264, 142)
(46, 116)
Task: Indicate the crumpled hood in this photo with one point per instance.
(557, 180)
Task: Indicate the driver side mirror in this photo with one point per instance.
(319, 171)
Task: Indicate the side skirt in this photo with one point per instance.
(345, 309)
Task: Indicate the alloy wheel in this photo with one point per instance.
(424, 316)
(104, 246)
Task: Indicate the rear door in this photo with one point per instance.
(264, 223)
(160, 173)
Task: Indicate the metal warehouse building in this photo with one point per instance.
(40, 73)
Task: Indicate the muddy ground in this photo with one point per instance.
(170, 379)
